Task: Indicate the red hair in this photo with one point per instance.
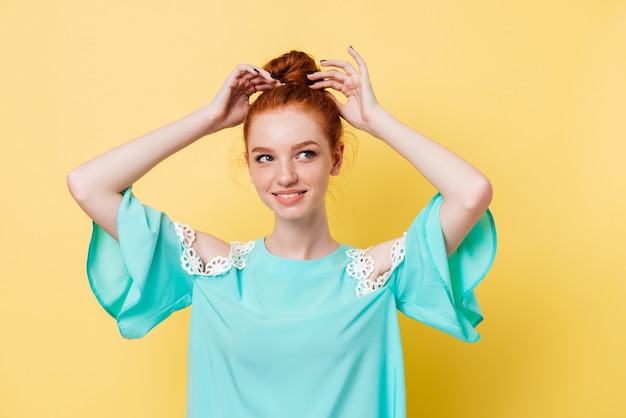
(292, 69)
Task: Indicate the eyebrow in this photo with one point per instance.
(293, 147)
(304, 144)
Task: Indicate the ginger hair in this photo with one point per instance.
(292, 69)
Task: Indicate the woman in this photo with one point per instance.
(295, 323)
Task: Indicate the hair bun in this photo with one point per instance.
(293, 68)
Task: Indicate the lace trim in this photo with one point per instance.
(193, 264)
(362, 266)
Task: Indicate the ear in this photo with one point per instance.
(337, 159)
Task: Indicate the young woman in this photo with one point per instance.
(295, 323)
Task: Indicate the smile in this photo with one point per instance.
(289, 197)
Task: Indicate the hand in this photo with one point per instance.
(231, 103)
(361, 105)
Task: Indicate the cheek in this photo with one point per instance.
(259, 177)
(318, 175)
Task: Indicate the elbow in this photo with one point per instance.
(77, 185)
(478, 195)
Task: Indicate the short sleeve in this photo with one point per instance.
(139, 280)
(436, 289)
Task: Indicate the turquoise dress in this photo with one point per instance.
(275, 337)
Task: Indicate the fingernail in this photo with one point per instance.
(350, 47)
(257, 71)
(323, 60)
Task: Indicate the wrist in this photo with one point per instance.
(379, 123)
(209, 119)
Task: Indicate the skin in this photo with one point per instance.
(301, 229)
(290, 162)
(466, 191)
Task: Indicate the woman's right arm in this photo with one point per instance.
(97, 185)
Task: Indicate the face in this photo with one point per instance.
(290, 161)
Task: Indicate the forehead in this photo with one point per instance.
(285, 127)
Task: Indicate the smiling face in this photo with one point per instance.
(290, 160)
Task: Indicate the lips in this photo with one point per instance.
(289, 197)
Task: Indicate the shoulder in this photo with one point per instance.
(210, 247)
(207, 255)
(206, 245)
(373, 266)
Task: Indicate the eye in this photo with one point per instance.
(264, 158)
(307, 155)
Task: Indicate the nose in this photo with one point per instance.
(287, 174)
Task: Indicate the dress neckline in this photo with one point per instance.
(340, 250)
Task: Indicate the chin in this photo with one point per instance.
(296, 213)
(291, 215)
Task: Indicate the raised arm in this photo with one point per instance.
(466, 191)
(97, 184)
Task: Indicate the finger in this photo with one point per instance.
(265, 87)
(328, 84)
(244, 76)
(328, 74)
(262, 84)
(249, 72)
(344, 65)
(359, 60)
(250, 91)
(267, 76)
(259, 75)
(241, 70)
(258, 80)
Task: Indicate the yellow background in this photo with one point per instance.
(532, 92)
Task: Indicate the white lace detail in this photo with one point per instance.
(362, 266)
(193, 264)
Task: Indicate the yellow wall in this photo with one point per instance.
(532, 92)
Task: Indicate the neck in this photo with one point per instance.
(301, 239)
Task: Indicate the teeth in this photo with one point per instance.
(287, 196)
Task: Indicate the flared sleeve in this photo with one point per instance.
(436, 289)
(139, 280)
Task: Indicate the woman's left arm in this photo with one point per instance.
(465, 190)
